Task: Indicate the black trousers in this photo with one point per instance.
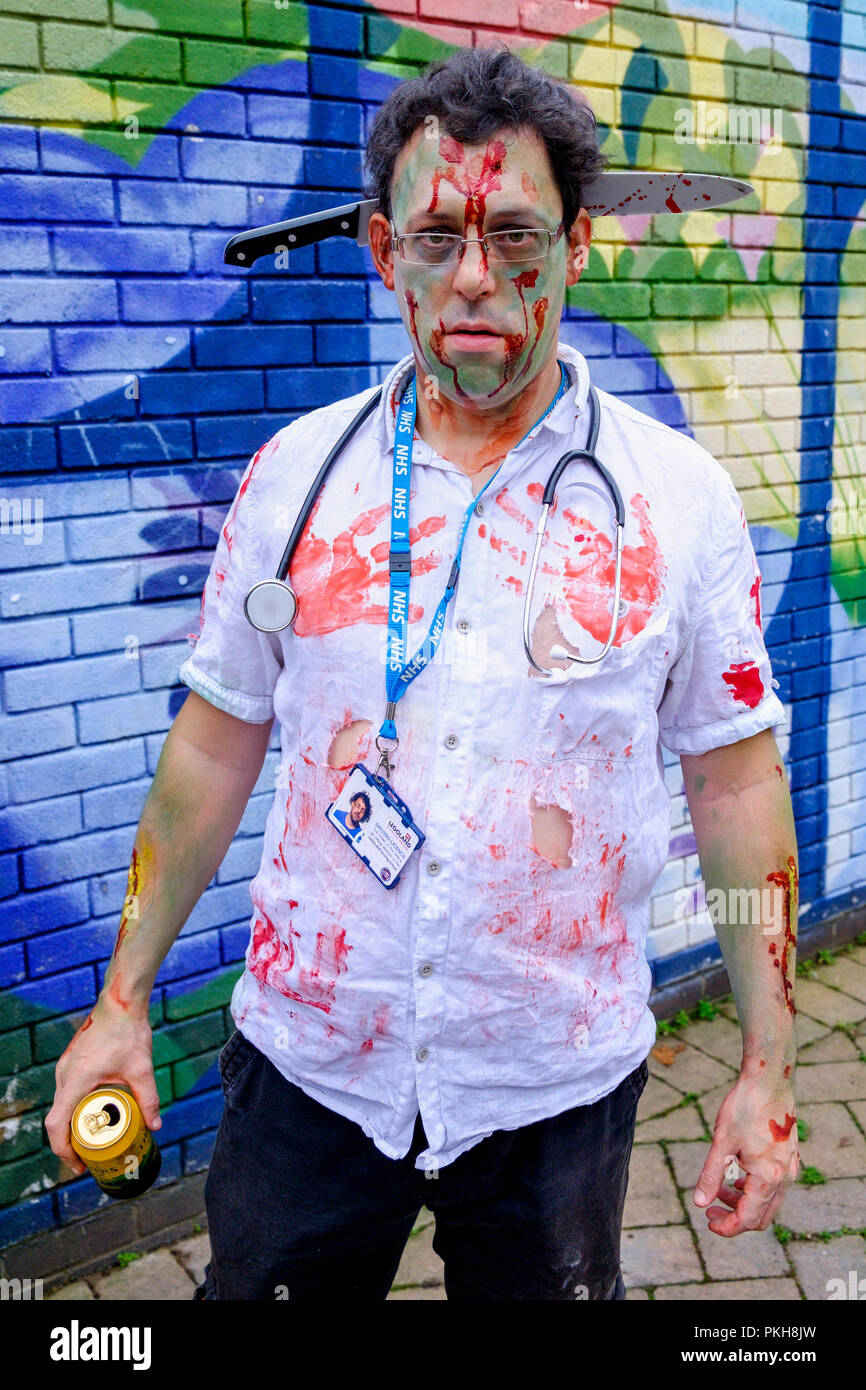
(301, 1205)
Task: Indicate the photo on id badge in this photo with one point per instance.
(374, 826)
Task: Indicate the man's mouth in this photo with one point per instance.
(466, 338)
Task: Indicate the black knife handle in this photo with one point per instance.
(247, 247)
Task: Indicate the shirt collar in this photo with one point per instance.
(560, 421)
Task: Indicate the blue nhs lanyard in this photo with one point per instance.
(399, 676)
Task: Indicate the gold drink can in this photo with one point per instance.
(110, 1137)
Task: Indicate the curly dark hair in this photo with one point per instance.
(368, 810)
(476, 92)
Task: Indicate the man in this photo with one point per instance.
(474, 1039)
(359, 811)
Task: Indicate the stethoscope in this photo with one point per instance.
(272, 605)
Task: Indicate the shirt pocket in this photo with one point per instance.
(603, 712)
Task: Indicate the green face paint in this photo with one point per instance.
(473, 189)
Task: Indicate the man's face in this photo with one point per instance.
(502, 183)
(357, 810)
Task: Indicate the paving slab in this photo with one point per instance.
(420, 1263)
(654, 1255)
(816, 1262)
(845, 974)
(193, 1253)
(635, 1295)
(754, 1254)
(718, 1036)
(416, 1295)
(657, 1097)
(692, 1071)
(734, 1290)
(156, 1276)
(835, 1145)
(682, 1123)
(832, 1081)
(688, 1160)
(833, 1047)
(827, 1005)
(807, 1029)
(76, 1291)
(809, 1210)
(858, 1110)
(651, 1199)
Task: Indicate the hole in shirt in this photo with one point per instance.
(346, 743)
(552, 832)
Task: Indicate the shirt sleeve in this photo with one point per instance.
(720, 689)
(233, 665)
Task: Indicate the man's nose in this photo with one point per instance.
(473, 273)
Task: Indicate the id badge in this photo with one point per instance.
(376, 824)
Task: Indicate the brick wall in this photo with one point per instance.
(138, 373)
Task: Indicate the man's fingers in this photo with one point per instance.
(713, 1172)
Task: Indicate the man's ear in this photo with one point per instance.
(579, 241)
(381, 248)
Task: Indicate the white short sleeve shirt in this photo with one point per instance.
(504, 979)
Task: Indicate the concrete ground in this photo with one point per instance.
(820, 1232)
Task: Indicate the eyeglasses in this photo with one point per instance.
(512, 245)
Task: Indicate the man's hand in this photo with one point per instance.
(112, 1045)
(757, 1125)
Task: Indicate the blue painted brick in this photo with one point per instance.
(62, 950)
(324, 168)
(50, 198)
(335, 29)
(824, 60)
(36, 687)
(40, 640)
(817, 400)
(288, 76)
(24, 248)
(207, 250)
(18, 147)
(819, 301)
(823, 24)
(121, 804)
(171, 487)
(182, 204)
(65, 153)
(191, 1115)
(215, 112)
(81, 1198)
(109, 630)
(23, 450)
(234, 942)
(93, 397)
(71, 859)
(121, 349)
(92, 446)
(22, 735)
(36, 300)
(137, 533)
(165, 301)
(127, 250)
(240, 435)
(343, 342)
(296, 118)
(190, 955)
(824, 132)
(253, 345)
(241, 161)
(311, 387)
(341, 257)
(24, 350)
(8, 874)
(199, 392)
(198, 1151)
(22, 826)
(32, 914)
(38, 999)
(274, 204)
(293, 303)
(171, 1167)
(122, 716)
(341, 77)
(825, 235)
(95, 585)
(28, 1218)
(160, 578)
(12, 967)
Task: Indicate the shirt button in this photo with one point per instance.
(451, 740)
(434, 866)
(422, 1054)
(463, 625)
(425, 970)
(479, 508)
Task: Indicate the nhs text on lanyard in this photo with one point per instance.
(368, 813)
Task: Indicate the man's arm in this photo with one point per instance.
(207, 768)
(743, 820)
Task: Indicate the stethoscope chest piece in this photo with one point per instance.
(271, 605)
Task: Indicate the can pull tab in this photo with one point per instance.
(97, 1122)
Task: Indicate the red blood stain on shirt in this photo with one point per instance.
(498, 851)
(334, 580)
(755, 593)
(745, 682)
(780, 1132)
(367, 1045)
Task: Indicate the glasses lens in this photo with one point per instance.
(520, 244)
(430, 248)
